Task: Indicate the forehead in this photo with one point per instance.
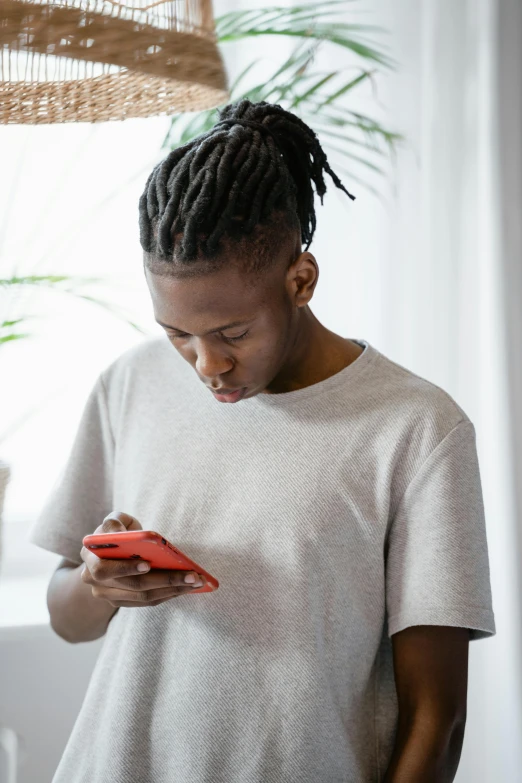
(199, 303)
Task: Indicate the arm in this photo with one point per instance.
(75, 614)
(431, 676)
(82, 599)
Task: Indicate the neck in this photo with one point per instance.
(315, 354)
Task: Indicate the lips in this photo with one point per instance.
(224, 391)
(226, 395)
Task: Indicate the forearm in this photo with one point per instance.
(427, 750)
(75, 614)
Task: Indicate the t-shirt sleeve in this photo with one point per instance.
(82, 496)
(437, 566)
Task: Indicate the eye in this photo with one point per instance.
(235, 339)
(226, 339)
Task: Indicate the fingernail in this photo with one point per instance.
(143, 567)
(190, 578)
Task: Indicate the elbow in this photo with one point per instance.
(61, 632)
(74, 616)
(444, 729)
(56, 615)
(67, 635)
(459, 721)
(59, 617)
(455, 722)
(56, 621)
(458, 731)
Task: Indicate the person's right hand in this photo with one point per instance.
(120, 582)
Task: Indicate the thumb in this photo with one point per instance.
(118, 521)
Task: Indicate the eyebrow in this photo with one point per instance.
(211, 331)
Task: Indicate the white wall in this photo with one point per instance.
(42, 684)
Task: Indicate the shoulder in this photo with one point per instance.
(138, 373)
(413, 417)
(148, 352)
(420, 404)
(153, 356)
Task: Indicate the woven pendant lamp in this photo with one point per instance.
(99, 60)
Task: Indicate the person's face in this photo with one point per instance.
(235, 335)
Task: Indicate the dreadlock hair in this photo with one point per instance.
(244, 181)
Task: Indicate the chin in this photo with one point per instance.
(253, 392)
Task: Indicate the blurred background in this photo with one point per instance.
(424, 126)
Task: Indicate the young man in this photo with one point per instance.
(337, 501)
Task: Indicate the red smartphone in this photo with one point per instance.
(150, 546)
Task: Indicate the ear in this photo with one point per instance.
(302, 278)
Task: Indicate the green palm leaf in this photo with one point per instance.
(317, 97)
(8, 331)
(9, 337)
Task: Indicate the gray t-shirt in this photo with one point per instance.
(333, 517)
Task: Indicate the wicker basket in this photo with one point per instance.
(98, 60)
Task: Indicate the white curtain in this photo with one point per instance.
(434, 279)
(432, 275)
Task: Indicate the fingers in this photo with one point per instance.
(129, 522)
(118, 597)
(124, 575)
(100, 570)
(118, 521)
(158, 578)
(135, 589)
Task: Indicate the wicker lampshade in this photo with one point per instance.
(98, 60)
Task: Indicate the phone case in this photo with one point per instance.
(147, 545)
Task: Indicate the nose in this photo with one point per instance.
(211, 363)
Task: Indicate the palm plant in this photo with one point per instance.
(319, 97)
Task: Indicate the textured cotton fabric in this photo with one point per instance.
(333, 517)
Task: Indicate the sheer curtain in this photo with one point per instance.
(462, 331)
(433, 277)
